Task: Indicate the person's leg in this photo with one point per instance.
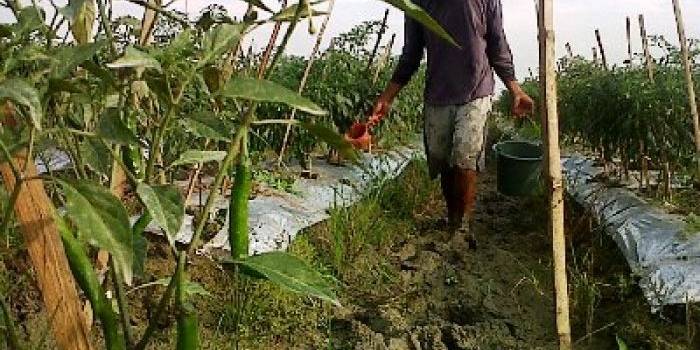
(466, 161)
(439, 131)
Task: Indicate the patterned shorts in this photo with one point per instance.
(455, 135)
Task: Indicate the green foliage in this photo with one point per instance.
(196, 157)
(165, 205)
(101, 220)
(22, 93)
(267, 91)
(290, 273)
(151, 111)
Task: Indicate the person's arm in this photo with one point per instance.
(501, 58)
(410, 59)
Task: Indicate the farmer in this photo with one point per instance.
(458, 96)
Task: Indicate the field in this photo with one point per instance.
(151, 113)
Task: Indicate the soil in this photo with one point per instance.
(405, 285)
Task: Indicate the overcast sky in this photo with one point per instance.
(576, 21)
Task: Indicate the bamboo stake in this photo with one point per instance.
(305, 77)
(384, 58)
(645, 45)
(689, 81)
(595, 55)
(35, 214)
(550, 129)
(644, 174)
(602, 49)
(148, 21)
(629, 38)
(379, 39)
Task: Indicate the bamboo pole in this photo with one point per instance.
(649, 63)
(35, 214)
(595, 55)
(379, 40)
(601, 48)
(148, 21)
(645, 45)
(305, 77)
(629, 38)
(689, 81)
(550, 129)
(384, 58)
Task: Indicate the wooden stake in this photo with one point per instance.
(601, 48)
(35, 215)
(379, 40)
(645, 45)
(550, 129)
(649, 63)
(595, 55)
(383, 58)
(629, 39)
(148, 22)
(305, 77)
(689, 81)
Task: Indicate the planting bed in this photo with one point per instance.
(401, 287)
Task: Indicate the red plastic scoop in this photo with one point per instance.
(358, 135)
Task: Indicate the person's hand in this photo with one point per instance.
(380, 110)
(522, 104)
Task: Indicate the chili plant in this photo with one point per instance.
(116, 107)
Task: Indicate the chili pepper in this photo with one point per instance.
(85, 275)
(238, 207)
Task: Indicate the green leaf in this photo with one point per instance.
(112, 129)
(195, 157)
(102, 221)
(266, 91)
(621, 345)
(219, 40)
(166, 207)
(135, 58)
(419, 15)
(22, 93)
(287, 13)
(259, 4)
(82, 20)
(291, 273)
(190, 288)
(209, 127)
(96, 155)
(333, 139)
(67, 58)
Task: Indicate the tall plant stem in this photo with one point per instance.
(231, 154)
(305, 77)
(154, 152)
(287, 35)
(122, 304)
(160, 310)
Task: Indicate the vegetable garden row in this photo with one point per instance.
(136, 115)
(627, 119)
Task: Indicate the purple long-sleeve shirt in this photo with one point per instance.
(457, 75)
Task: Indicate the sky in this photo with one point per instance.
(575, 22)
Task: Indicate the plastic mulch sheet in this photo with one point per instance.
(666, 260)
(275, 218)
